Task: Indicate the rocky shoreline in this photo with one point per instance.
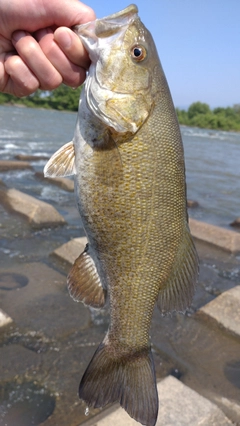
(46, 340)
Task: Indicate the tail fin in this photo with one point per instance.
(128, 379)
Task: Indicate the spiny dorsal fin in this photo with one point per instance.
(84, 283)
(178, 292)
(62, 162)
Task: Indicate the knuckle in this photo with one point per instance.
(75, 79)
(51, 82)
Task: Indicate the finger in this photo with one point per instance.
(72, 46)
(72, 74)
(20, 80)
(33, 56)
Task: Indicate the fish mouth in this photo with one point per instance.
(94, 33)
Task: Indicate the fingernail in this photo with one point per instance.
(63, 38)
(17, 35)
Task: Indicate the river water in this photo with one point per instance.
(212, 160)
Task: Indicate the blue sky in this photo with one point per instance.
(198, 42)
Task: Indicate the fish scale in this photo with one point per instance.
(127, 157)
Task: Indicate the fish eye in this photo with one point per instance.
(138, 53)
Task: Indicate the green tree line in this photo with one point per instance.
(197, 115)
(200, 115)
(62, 98)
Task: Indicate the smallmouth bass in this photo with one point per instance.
(128, 162)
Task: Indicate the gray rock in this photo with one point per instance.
(178, 406)
(64, 183)
(38, 213)
(225, 309)
(220, 237)
(6, 165)
(71, 250)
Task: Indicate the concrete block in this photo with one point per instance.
(71, 250)
(229, 407)
(225, 309)
(4, 318)
(43, 305)
(220, 237)
(178, 406)
(38, 213)
(25, 157)
(6, 165)
(16, 361)
(64, 183)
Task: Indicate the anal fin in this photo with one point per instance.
(62, 162)
(84, 283)
(177, 294)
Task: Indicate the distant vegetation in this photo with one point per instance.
(198, 114)
(62, 98)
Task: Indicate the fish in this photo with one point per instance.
(128, 161)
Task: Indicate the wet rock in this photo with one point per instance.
(38, 213)
(225, 309)
(64, 183)
(4, 318)
(25, 404)
(24, 157)
(179, 406)
(220, 237)
(2, 184)
(16, 361)
(6, 165)
(236, 223)
(192, 204)
(44, 305)
(11, 281)
(71, 250)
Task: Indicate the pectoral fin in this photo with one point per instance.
(62, 163)
(84, 283)
(178, 292)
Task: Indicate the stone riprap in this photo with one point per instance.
(38, 213)
(6, 166)
(178, 406)
(4, 318)
(192, 204)
(225, 309)
(236, 223)
(69, 251)
(24, 157)
(215, 235)
(64, 183)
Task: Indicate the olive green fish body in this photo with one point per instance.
(128, 159)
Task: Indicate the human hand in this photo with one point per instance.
(37, 50)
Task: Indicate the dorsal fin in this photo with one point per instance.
(178, 292)
(62, 162)
(84, 283)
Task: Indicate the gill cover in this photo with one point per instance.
(118, 86)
